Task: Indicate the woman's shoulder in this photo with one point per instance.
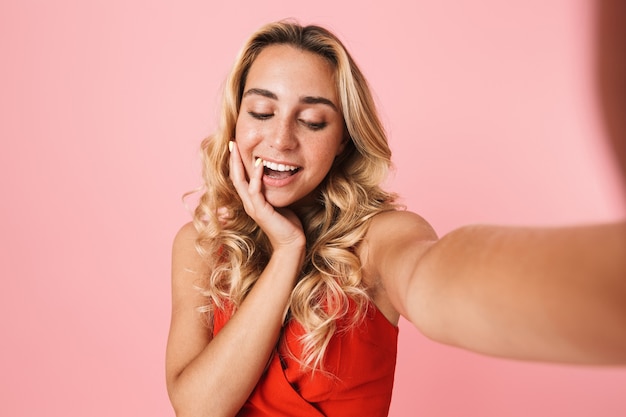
(394, 241)
(392, 224)
(185, 237)
(184, 248)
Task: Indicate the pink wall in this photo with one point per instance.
(492, 116)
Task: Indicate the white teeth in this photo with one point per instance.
(279, 167)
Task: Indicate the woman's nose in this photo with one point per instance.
(284, 136)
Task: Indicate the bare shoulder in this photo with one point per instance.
(393, 245)
(396, 234)
(187, 263)
(184, 250)
(185, 238)
(400, 224)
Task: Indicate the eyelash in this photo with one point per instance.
(265, 116)
(260, 116)
(315, 126)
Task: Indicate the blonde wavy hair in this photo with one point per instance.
(330, 289)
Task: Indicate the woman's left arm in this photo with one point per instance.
(544, 294)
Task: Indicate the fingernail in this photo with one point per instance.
(258, 162)
(231, 144)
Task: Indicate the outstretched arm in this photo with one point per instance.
(547, 294)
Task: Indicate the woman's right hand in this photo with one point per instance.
(281, 225)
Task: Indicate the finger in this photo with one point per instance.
(238, 173)
(256, 179)
(255, 190)
(249, 190)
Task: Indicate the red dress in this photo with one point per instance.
(360, 366)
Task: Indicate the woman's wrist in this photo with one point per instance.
(289, 254)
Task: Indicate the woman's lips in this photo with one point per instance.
(278, 174)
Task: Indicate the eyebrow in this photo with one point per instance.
(306, 99)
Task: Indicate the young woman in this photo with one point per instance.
(289, 284)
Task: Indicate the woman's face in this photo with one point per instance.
(290, 118)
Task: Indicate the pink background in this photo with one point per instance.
(492, 116)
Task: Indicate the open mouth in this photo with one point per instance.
(278, 171)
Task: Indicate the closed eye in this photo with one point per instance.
(313, 125)
(260, 116)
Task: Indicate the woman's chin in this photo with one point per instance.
(283, 201)
(279, 201)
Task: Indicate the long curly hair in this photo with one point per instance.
(330, 289)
